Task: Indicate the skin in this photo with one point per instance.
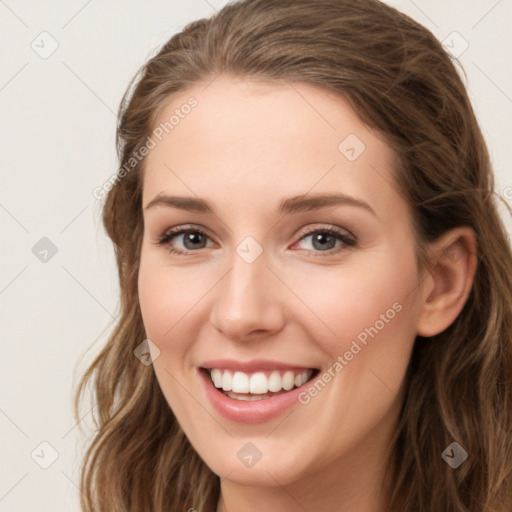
(244, 148)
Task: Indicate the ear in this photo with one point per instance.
(448, 282)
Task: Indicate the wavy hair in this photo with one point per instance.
(398, 78)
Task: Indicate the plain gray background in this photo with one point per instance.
(57, 144)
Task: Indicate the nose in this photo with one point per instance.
(248, 301)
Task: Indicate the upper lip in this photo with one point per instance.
(251, 366)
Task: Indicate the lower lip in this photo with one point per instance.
(244, 411)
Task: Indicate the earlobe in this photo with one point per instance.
(449, 281)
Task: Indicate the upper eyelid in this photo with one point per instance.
(302, 233)
(305, 230)
(179, 230)
(326, 227)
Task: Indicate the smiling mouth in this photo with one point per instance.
(258, 385)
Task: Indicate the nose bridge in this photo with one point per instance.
(247, 299)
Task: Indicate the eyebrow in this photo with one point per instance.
(290, 205)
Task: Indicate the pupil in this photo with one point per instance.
(193, 237)
(322, 236)
(320, 241)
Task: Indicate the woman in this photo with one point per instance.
(310, 256)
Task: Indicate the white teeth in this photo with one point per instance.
(258, 383)
(240, 383)
(274, 382)
(227, 381)
(288, 379)
(217, 378)
(246, 398)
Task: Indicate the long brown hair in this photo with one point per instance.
(402, 83)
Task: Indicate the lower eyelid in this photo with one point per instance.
(346, 240)
(181, 233)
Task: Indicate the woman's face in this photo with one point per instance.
(263, 294)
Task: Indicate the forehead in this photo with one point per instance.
(252, 143)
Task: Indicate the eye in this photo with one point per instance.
(327, 240)
(191, 238)
(323, 240)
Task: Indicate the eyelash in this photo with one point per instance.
(347, 241)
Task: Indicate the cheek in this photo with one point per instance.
(158, 303)
(358, 302)
(167, 295)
